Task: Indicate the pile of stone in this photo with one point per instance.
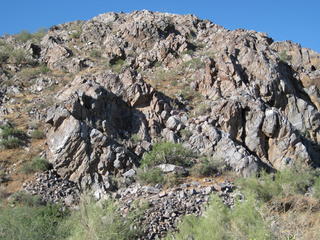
(52, 188)
(166, 207)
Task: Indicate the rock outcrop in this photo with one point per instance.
(234, 95)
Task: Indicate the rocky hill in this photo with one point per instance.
(104, 91)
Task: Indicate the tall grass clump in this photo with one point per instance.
(29, 220)
(100, 222)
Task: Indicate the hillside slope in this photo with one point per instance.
(104, 91)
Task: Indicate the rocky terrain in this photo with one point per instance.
(104, 91)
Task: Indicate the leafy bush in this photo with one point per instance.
(150, 176)
(101, 222)
(37, 134)
(207, 167)
(243, 221)
(37, 164)
(167, 152)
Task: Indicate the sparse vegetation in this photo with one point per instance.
(37, 164)
(195, 63)
(95, 53)
(117, 65)
(201, 109)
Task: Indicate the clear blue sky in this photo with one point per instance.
(294, 20)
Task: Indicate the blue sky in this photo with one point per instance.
(294, 20)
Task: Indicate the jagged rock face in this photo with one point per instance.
(263, 105)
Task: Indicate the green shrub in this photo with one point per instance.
(244, 221)
(32, 223)
(24, 36)
(37, 134)
(11, 137)
(37, 164)
(101, 222)
(281, 184)
(207, 167)
(11, 142)
(167, 152)
(39, 34)
(150, 176)
(20, 56)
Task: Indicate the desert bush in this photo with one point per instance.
(244, 221)
(185, 134)
(281, 184)
(167, 152)
(32, 222)
(117, 65)
(37, 134)
(11, 137)
(207, 166)
(5, 52)
(11, 142)
(23, 36)
(101, 222)
(150, 176)
(37, 164)
(20, 56)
